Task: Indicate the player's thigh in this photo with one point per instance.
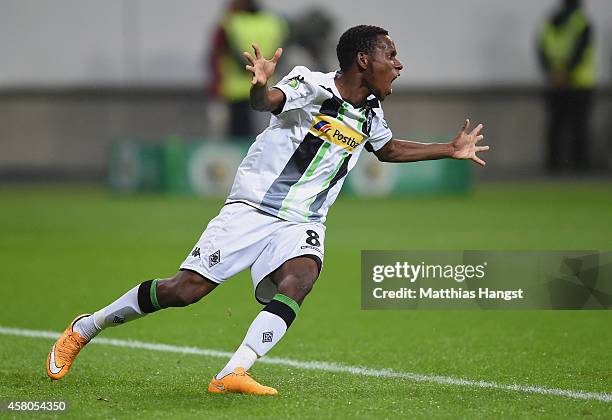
(231, 242)
(294, 256)
(184, 288)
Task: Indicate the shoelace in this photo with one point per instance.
(69, 348)
(245, 373)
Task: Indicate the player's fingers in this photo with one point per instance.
(255, 78)
(249, 57)
(478, 138)
(466, 125)
(250, 68)
(479, 161)
(277, 54)
(257, 50)
(258, 77)
(482, 149)
(476, 130)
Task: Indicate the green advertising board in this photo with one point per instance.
(207, 168)
(371, 178)
(136, 167)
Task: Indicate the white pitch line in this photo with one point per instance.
(328, 366)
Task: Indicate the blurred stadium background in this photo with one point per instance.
(112, 96)
(78, 76)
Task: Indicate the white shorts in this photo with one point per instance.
(242, 236)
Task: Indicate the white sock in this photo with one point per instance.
(244, 357)
(122, 310)
(265, 331)
(87, 327)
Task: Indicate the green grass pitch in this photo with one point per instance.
(64, 251)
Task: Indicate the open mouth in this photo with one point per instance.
(391, 83)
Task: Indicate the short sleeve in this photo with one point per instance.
(298, 88)
(381, 133)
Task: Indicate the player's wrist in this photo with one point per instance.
(258, 97)
(259, 84)
(449, 149)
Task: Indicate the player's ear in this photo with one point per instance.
(362, 60)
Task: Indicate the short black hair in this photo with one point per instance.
(357, 39)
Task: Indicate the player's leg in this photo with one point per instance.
(283, 275)
(185, 288)
(224, 249)
(296, 277)
(294, 280)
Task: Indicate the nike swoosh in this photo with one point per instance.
(220, 387)
(52, 366)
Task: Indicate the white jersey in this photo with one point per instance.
(296, 167)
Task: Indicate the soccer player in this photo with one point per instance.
(273, 218)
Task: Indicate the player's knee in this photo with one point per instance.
(187, 297)
(296, 278)
(296, 287)
(192, 287)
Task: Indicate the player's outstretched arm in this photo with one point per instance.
(262, 98)
(463, 146)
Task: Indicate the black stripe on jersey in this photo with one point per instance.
(373, 103)
(370, 105)
(367, 124)
(292, 172)
(332, 105)
(322, 195)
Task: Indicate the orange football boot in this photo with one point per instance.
(64, 351)
(239, 381)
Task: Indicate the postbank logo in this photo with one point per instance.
(336, 132)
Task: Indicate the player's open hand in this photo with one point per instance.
(464, 145)
(261, 68)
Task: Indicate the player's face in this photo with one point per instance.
(384, 67)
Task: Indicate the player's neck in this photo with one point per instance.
(352, 88)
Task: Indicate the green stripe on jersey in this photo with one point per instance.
(309, 172)
(361, 120)
(341, 111)
(326, 184)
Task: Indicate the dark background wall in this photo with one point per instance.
(65, 134)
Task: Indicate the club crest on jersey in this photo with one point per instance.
(336, 132)
(294, 82)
